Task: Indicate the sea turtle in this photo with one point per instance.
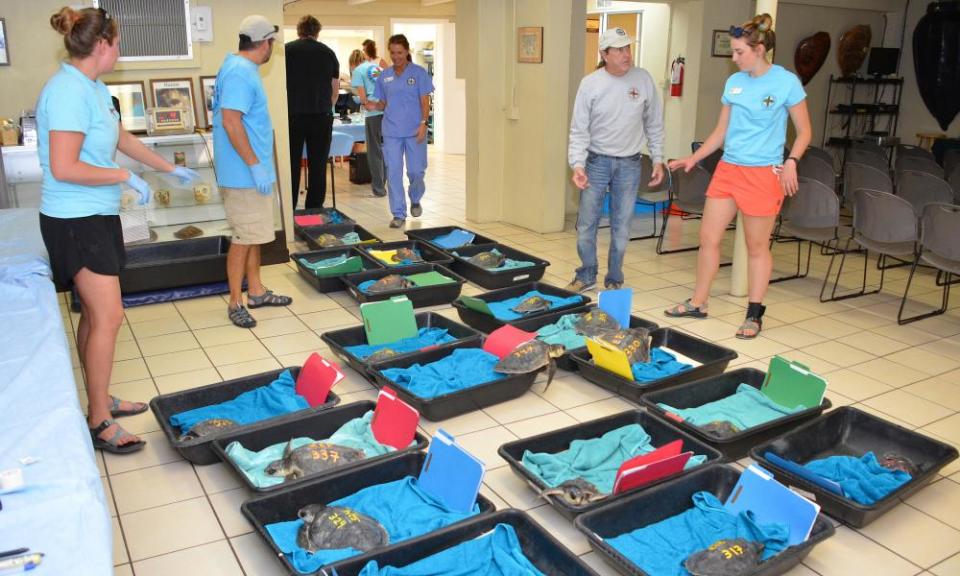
(336, 527)
(406, 255)
(381, 355)
(576, 492)
(531, 356)
(595, 322)
(189, 231)
(531, 305)
(328, 240)
(635, 342)
(208, 427)
(311, 459)
(894, 461)
(390, 283)
(720, 428)
(487, 259)
(726, 558)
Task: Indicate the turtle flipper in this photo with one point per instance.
(551, 370)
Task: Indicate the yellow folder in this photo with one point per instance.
(610, 358)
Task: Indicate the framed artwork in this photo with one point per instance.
(720, 47)
(4, 53)
(174, 93)
(133, 104)
(530, 44)
(207, 83)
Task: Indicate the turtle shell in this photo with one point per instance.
(380, 355)
(488, 259)
(726, 558)
(594, 323)
(720, 428)
(406, 254)
(527, 357)
(312, 458)
(576, 492)
(208, 427)
(531, 305)
(337, 527)
(635, 342)
(390, 283)
(328, 240)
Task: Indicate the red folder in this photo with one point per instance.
(309, 220)
(503, 340)
(394, 421)
(316, 379)
(647, 468)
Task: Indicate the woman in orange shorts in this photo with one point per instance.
(753, 176)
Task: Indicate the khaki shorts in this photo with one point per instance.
(250, 215)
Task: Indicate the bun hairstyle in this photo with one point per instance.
(759, 31)
(82, 29)
(370, 48)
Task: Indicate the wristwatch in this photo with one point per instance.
(424, 122)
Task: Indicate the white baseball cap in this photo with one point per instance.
(615, 38)
(257, 28)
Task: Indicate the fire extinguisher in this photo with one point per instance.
(676, 77)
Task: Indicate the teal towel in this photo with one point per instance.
(595, 460)
(325, 263)
(661, 365)
(562, 332)
(863, 480)
(350, 238)
(747, 408)
(502, 309)
(425, 338)
(354, 434)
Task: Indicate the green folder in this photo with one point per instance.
(388, 320)
(348, 266)
(432, 278)
(476, 305)
(792, 384)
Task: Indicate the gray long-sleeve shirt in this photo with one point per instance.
(614, 115)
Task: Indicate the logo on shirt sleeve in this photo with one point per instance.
(411, 81)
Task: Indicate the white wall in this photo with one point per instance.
(454, 127)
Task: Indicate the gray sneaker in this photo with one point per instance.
(416, 210)
(396, 223)
(579, 286)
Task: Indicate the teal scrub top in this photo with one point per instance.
(365, 75)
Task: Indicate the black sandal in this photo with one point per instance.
(686, 309)
(113, 443)
(116, 412)
(241, 317)
(268, 298)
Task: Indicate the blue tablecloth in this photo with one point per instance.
(356, 130)
(62, 511)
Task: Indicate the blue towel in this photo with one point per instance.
(502, 309)
(401, 507)
(354, 433)
(334, 217)
(661, 365)
(746, 408)
(508, 263)
(863, 479)
(425, 337)
(454, 239)
(562, 332)
(275, 399)
(595, 460)
(496, 554)
(325, 263)
(350, 238)
(465, 368)
(660, 549)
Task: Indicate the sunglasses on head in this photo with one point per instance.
(737, 31)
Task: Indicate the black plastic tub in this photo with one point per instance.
(714, 388)
(660, 433)
(331, 283)
(199, 450)
(317, 426)
(311, 233)
(420, 296)
(339, 340)
(427, 252)
(455, 403)
(175, 264)
(492, 279)
(283, 505)
(428, 234)
(539, 546)
(300, 231)
(486, 323)
(565, 362)
(713, 360)
(847, 431)
(670, 499)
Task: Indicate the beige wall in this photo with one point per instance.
(379, 13)
(680, 113)
(715, 71)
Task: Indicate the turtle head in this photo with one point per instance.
(556, 350)
(279, 467)
(310, 512)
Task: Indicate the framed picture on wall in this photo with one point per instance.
(720, 47)
(174, 93)
(133, 104)
(207, 84)
(530, 44)
(4, 53)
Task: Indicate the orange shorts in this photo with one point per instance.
(755, 189)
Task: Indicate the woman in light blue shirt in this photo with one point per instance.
(79, 134)
(364, 78)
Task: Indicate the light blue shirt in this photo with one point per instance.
(758, 115)
(365, 75)
(71, 102)
(402, 117)
(240, 88)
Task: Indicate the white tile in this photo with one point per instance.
(541, 424)
(226, 505)
(170, 528)
(912, 534)
(157, 451)
(512, 488)
(176, 362)
(214, 559)
(484, 445)
(256, 556)
(561, 528)
(526, 406)
(848, 552)
(236, 352)
(155, 486)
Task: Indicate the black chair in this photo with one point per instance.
(868, 157)
(939, 248)
(819, 153)
(688, 193)
(856, 176)
(815, 168)
(870, 147)
(917, 164)
(711, 161)
(921, 188)
(951, 162)
(656, 196)
(904, 150)
(954, 181)
(812, 215)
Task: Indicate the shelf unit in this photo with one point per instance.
(858, 106)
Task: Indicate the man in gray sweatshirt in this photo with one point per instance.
(617, 109)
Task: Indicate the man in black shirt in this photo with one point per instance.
(313, 82)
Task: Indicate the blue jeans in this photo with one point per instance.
(620, 177)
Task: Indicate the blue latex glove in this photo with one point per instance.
(185, 175)
(141, 186)
(262, 179)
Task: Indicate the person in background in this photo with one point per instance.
(370, 49)
(313, 83)
(616, 110)
(79, 134)
(752, 176)
(243, 158)
(365, 76)
(403, 95)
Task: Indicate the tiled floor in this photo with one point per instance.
(175, 518)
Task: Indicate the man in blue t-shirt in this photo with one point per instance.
(243, 156)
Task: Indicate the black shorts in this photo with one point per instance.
(91, 242)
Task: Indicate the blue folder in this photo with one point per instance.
(772, 502)
(450, 473)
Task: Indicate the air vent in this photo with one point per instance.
(152, 29)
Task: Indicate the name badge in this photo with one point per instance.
(735, 91)
(388, 79)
